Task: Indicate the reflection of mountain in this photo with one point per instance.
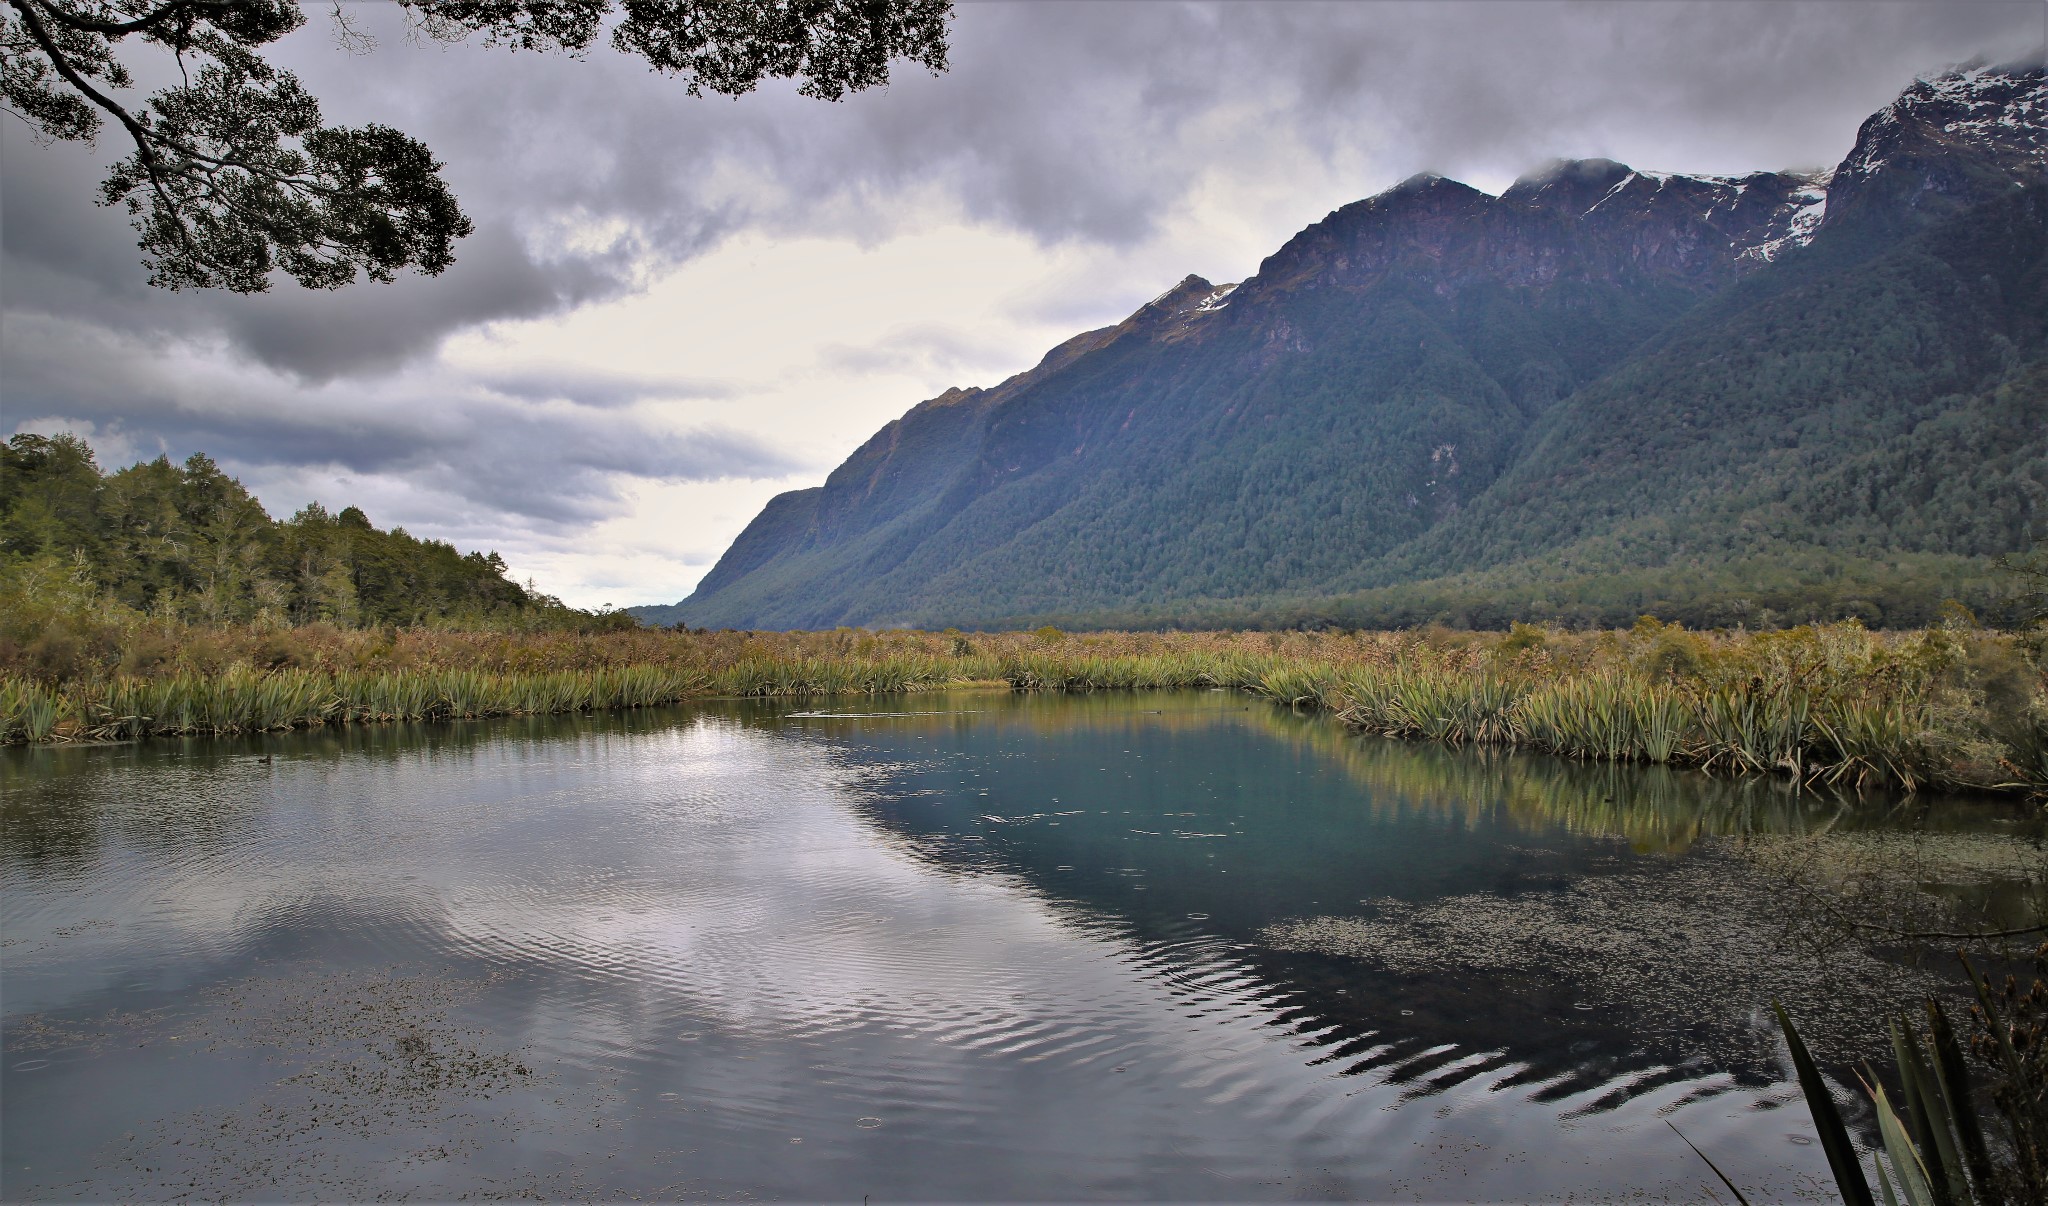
(1429, 916)
(1183, 940)
(695, 933)
(1654, 808)
(1444, 914)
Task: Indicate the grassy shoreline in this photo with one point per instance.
(1954, 707)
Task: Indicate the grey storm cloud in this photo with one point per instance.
(540, 461)
(1080, 122)
(62, 254)
(1088, 121)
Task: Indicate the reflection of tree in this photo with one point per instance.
(67, 802)
(48, 829)
(65, 807)
(1654, 808)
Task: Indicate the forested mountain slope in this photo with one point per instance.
(1602, 392)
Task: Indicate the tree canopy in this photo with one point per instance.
(189, 542)
(235, 176)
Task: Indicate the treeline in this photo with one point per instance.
(83, 552)
(1901, 591)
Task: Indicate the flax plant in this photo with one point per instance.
(1932, 1148)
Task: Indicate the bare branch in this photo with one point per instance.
(347, 37)
(1949, 935)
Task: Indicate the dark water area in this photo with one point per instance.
(961, 946)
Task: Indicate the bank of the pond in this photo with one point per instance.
(1949, 707)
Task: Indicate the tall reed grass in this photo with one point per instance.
(1614, 717)
(1953, 706)
(244, 700)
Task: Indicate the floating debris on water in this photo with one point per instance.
(1694, 950)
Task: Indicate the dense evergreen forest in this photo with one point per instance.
(187, 543)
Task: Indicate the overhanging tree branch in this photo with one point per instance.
(234, 177)
(142, 24)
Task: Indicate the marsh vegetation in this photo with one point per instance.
(1954, 705)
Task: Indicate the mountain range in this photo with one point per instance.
(1604, 392)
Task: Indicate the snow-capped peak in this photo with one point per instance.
(2004, 106)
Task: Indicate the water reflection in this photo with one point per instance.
(1413, 903)
(1653, 808)
(969, 946)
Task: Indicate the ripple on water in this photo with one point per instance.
(718, 918)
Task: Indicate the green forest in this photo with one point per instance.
(1851, 431)
(187, 543)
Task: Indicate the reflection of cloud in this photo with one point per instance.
(626, 887)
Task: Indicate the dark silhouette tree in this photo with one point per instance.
(234, 176)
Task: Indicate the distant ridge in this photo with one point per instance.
(1607, 391)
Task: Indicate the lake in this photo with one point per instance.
(960, 945)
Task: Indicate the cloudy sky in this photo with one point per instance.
(675, 308)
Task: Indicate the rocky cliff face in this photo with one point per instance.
(1434, 354)
(1947, 143)
(1584, 221)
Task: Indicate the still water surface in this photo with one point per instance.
(970, 945)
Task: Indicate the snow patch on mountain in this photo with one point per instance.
(1720, 192)
(1990, 102)
(1215, 301)
(1796, 221)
